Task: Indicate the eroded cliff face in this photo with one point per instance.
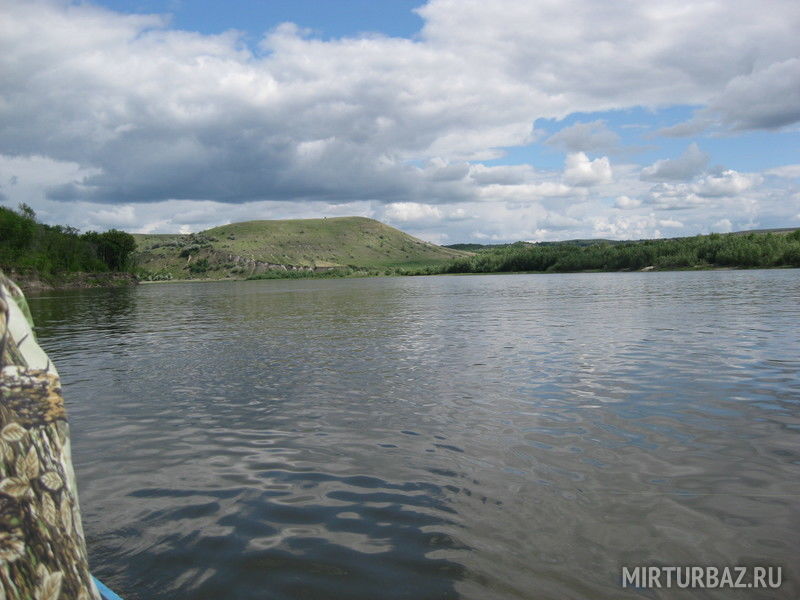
(42, 546)
(32, 283)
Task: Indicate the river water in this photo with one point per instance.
(477, 437)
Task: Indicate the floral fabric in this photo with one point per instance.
(42, 547)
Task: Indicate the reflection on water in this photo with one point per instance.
(443, 437)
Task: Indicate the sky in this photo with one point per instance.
(454, 120)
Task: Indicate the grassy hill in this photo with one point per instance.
(245, 249)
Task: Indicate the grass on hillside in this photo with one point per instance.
(343, 243)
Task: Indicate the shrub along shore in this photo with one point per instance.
(40, 256)
(747, 250)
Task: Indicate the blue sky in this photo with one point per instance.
(455, 120)
(326, 18)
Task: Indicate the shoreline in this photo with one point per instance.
(587, 271)
(35, 283)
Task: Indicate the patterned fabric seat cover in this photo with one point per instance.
(42, 547)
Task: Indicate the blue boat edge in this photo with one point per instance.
(105, 592)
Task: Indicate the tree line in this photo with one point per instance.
(702, 251)
(27, 245)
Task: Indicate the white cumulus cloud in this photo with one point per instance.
(626, 202)
(785, 171)
(411, 212)
(727, 183)
(580, 171)
(768, 98)
(585, 137)
(687, 165)
(722, 226)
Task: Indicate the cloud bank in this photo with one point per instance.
(134, 122)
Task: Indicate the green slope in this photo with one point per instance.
(243, 249)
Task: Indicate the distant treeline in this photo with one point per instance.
(486, 247)
(29, 246)
(702, 251)
(476, 247)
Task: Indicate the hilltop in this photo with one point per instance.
(242, 250)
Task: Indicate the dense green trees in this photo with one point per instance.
(702, 251)
(26, 244)
(114, 247)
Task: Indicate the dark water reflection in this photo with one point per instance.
(452, 437)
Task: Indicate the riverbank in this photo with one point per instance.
(699, 253)
(422, 273)
(36, 282)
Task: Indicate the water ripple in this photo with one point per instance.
(477, 437)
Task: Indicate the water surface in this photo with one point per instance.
(479, 437)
